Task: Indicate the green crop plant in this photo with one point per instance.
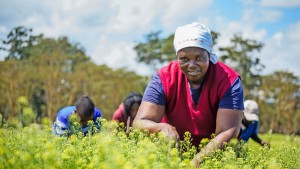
(36, 147)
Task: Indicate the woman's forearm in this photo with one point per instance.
(144, 124)
(215, 143)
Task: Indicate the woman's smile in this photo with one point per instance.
(193, 72)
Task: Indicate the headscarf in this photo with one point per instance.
(195, 35)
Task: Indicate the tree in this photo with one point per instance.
(17, 42)
(15, 81)
(239, 57)
(10, 87)
(54, 74)
(279, 99)
(150, 52)
(59, 57)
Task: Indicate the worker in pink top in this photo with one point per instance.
(128, 109)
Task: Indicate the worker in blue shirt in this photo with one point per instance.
(84, 110)
(250, 123)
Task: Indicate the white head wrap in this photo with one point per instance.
(194, 35)
(251, 110)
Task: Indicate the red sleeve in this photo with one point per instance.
(119, 114)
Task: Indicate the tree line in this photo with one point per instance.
(52, 73)
(40, 75)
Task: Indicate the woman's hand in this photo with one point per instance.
(169, 131)
(264, 143)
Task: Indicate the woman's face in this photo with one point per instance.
(133, 110)
(193, 62)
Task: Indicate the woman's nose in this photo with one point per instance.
(192, 63)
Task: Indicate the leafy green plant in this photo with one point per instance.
(36, 147)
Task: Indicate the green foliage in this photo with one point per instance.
(46, 121)
(75, 125)
(188, 151)
(54, 74)
(155, 50)
(25, 115)
(34, 147)
(1, 120)
(242, 58)
(19, 39)
(215, 36)
(279, 101)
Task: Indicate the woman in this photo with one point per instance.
(84, 109)
(194, 93)
(128, 110)
(250, 123)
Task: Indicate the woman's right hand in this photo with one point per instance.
(169, 131)
(264, 143)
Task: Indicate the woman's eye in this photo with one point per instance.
(201, 58)
(183, 59)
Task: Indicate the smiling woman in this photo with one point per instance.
(195, 94)
(193, 63)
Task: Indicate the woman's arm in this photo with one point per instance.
(227, 127)
(149, 117)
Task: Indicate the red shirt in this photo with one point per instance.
(181, 112)
(120, 115)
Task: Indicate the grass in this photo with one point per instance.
(276, 140)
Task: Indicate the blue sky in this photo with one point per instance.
(109, 29)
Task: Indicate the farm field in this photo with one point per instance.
(276, 140)
(33, 147)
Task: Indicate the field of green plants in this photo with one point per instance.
(36, 147)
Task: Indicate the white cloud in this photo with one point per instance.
(131, 18)
(103, 26)
(293, 32)
(280, 3)
(118, 55)
(281, 51)
(246, 26)
(269, 15)
(176, 13)
(278, 38)
(254, 15)
(246, 29)
(108, 29)
(3, 29)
